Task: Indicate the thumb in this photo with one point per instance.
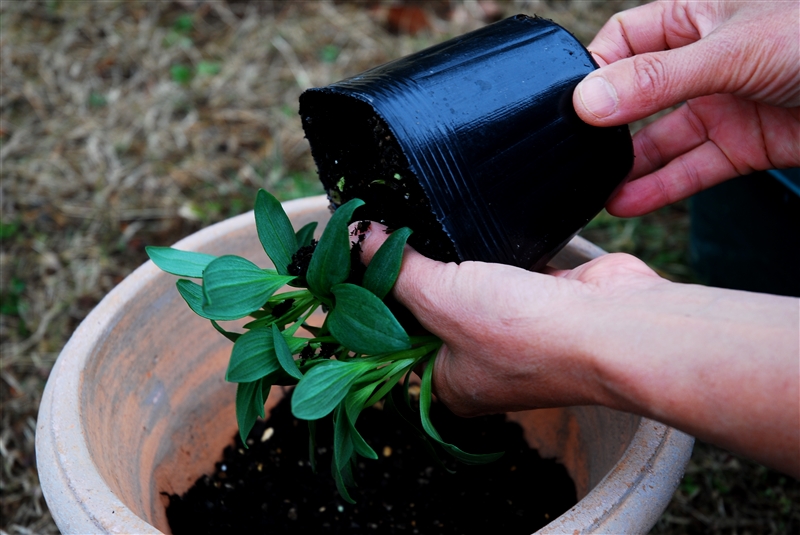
(637, 87)
(416, 285)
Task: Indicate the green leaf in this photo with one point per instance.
(208, 68)
(260, 396)
(177, 262)
(192, 293)
(284, 354)
(275, 231)
(246, 411)
(354, 404)
(382, 271)
(406, 417)
(330, 264)
(234, 287)
(362, 323)
(227, 334)
(342, 445)
(253, 355)
(342, 481)
(393, 377)
(343, 451)
(306, 234)
(324, 386)
(181, 73)
(427, 425)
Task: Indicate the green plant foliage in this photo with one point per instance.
(330, 264)
(275, 231)
(306, 234)
(424, 411)
(192, 293)
(8, 230)
(180, 263)
(208, 68)
(384, 268)
(356, 358)
(324, 386)
(235, 287)
(247, 407)
(329, 53)
(363, 323)
(254, 357)
(284, 353)
(181, 73)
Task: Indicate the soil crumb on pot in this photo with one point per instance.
(270, 487)
(357, 156)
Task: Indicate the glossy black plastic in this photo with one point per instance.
(486, 124)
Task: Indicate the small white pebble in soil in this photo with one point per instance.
(223, 468)
(387, 451)
(292, 514)
(260, 467)
(322, 509)
(267, 434)
(340, 508)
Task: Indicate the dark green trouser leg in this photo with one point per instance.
(746, 234)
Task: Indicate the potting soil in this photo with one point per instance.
(270, 486)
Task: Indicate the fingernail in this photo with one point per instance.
(598, 96)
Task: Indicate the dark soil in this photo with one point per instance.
(270, 487)
(357, 156)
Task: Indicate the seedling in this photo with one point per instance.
(360, 355)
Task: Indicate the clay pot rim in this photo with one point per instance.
(78, 494)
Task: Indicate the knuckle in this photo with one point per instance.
(650, 76)
(650, 150)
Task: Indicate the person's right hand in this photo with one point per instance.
(736, 67)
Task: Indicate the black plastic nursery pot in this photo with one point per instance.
(473, 143)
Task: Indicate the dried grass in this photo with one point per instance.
(125, 123)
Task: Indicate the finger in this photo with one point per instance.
(373, 238)
(416, 287)
(633, 31)
(637, 87)
(660, 142)
(698, 169)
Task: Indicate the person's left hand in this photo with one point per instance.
(512, 336)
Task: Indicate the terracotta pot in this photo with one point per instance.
(136, 406)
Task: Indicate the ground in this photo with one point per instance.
(124, 124)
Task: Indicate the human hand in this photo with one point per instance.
(512, 337)
(736, 67)
(718, 364)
